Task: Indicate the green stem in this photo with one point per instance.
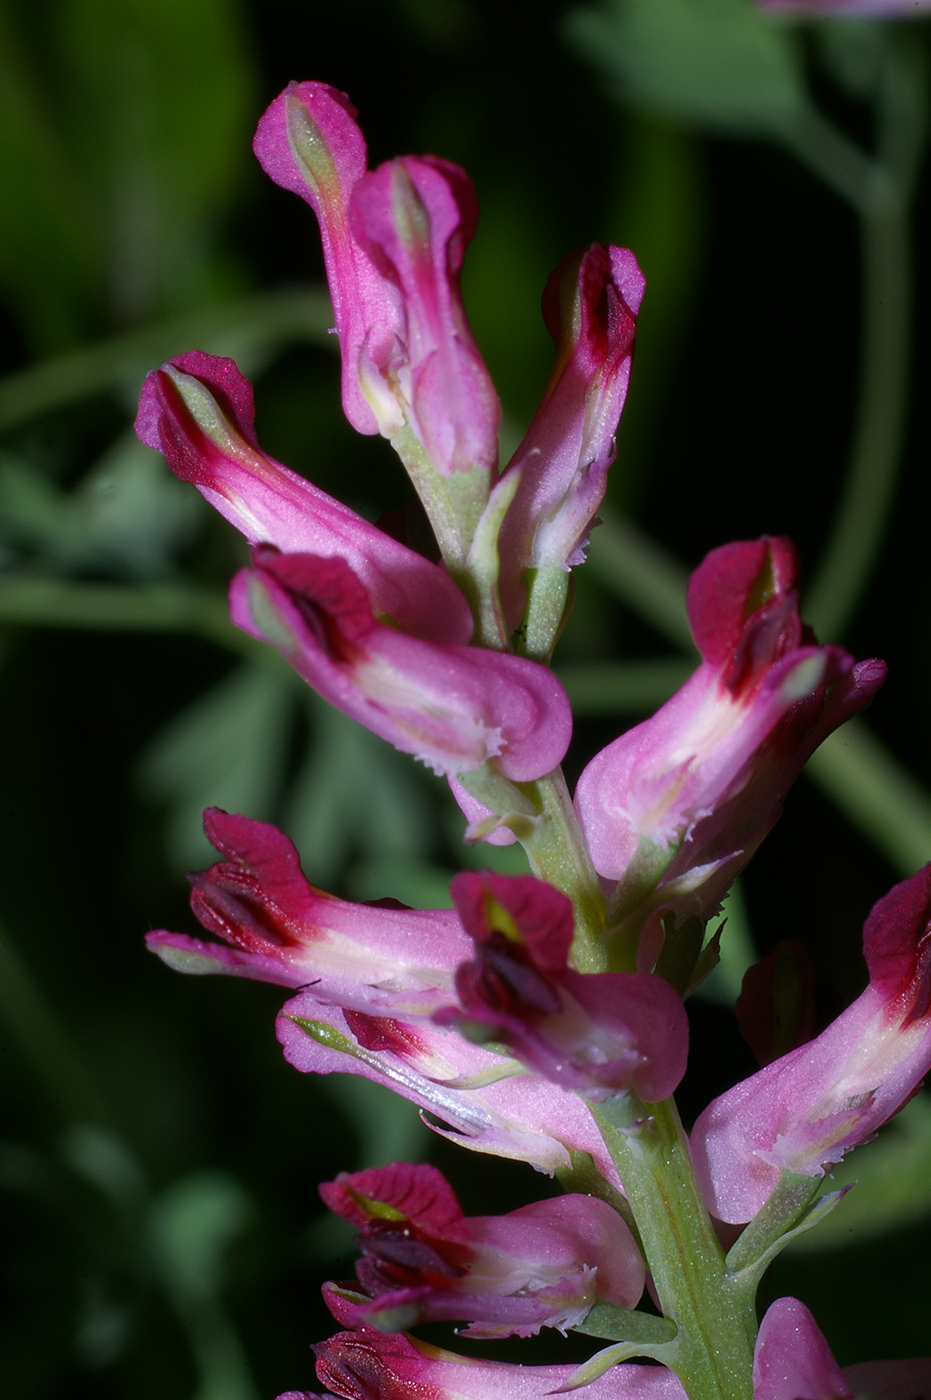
(862, 516)
(558, 853)
(54, 602)
(714, 1311)
(880, 190)
(249, 327)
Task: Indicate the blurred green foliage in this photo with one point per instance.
(158, 1161)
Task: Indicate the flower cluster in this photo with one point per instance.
(541, 1018)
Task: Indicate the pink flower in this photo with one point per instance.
(693, 791)
(368, 1365)
(593, 1032)
(198, 410)
(393, 242)
(485, 1101)
(803, 1112)
(370, 976)
(278, 928)
(455, 707)
(544, 1265)
(590, 307)
(792, 1360)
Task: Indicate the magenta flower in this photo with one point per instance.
(693, 791)
(544, 1265)
(278, 928)
(803, 1112)
(198, 410)
(870, 9)
(369, 1365)
(485, 1101)
(594, 1032)
(454, 707)
(792, 1360)
(371, 976)
(590, 307)
(393, 242)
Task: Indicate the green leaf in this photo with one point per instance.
(355, 799)
(713, 63)
(128, 516)
(226, 750)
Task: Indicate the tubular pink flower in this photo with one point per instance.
(485, 1101)
(545, 1265)
(701, 783)
(281, 929)
(792, 1360)
(590, 308)
(309, 142)
(454, 707)
(393, 243)
(369, 1365)
(803, 1112)
(415, 216)
(198, 410)
(593, 1032)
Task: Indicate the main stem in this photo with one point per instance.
(714, 1310)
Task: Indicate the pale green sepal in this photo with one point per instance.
(186, 960)
(522, 826)
(644, 872)
(489, 786)
(707, 961)
(484, 564)
(627, 1325)
(680, 952)
(789, 1212)
(547, 608)
(603, 1361)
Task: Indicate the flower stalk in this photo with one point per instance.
(542, 1018)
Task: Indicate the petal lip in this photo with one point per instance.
(482, 1100)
